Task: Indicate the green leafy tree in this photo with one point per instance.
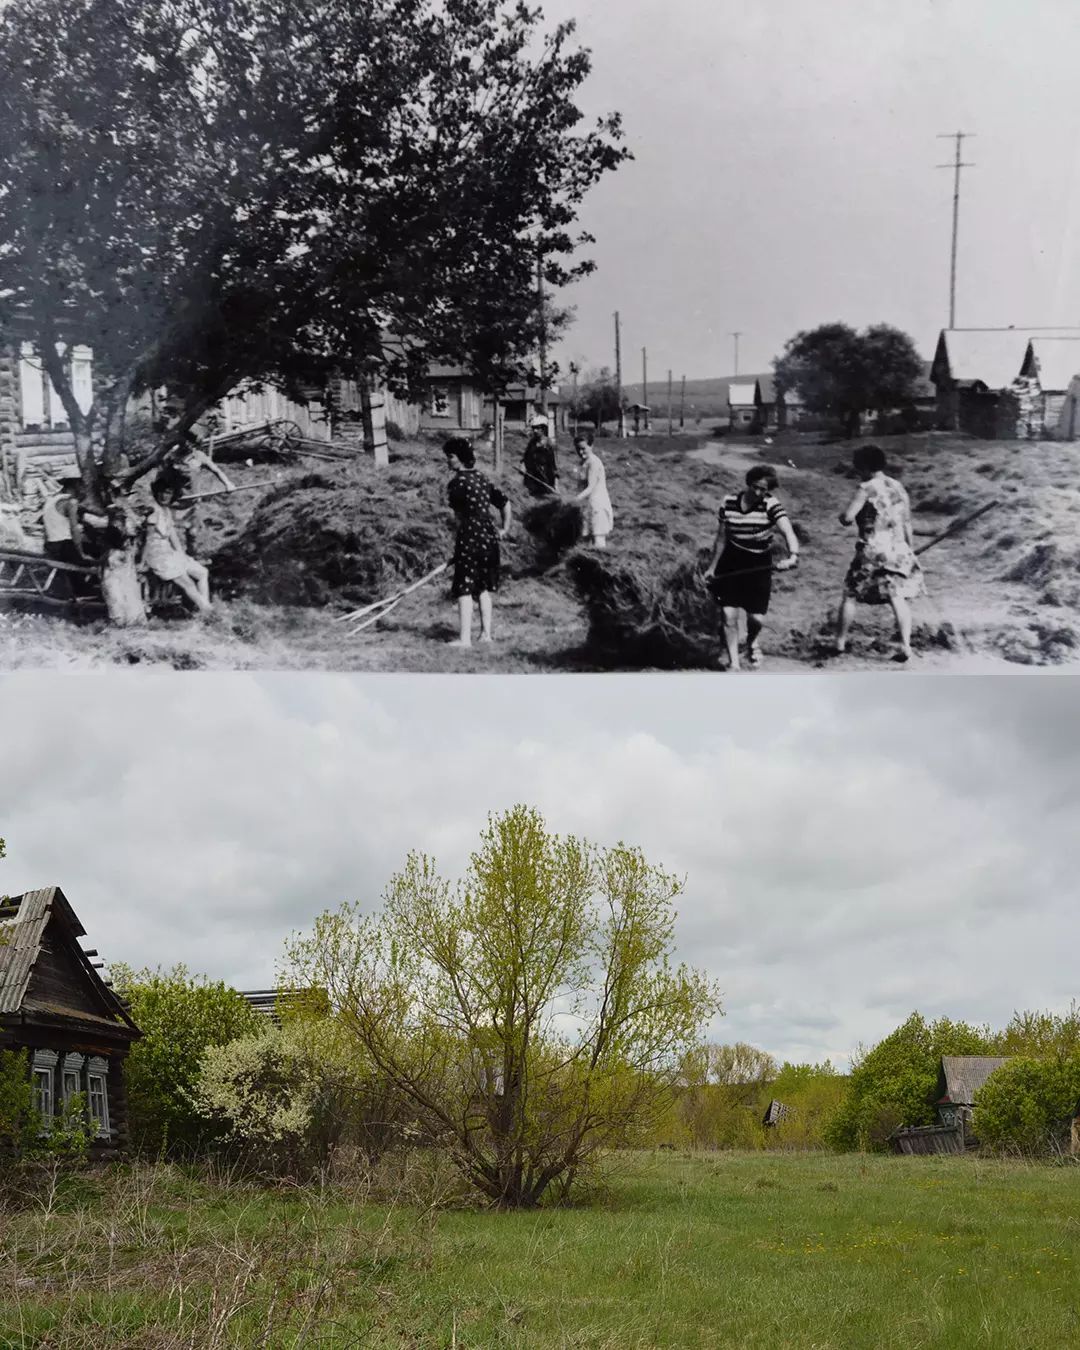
(1037, 1034)
(1027, 1104)
(598, 398)
(840, 373)
(530, 1015)
(722, 1095)
(893, 1084)
(180, 1017)
(209, 192)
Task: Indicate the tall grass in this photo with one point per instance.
(728, 1249)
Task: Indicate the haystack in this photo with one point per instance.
(639, 617)
(554, 527)
(329, 537)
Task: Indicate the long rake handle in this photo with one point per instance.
(387, 603)
(957, 526)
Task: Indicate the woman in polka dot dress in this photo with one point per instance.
(476, 548)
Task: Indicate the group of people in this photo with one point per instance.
(884, 569)
(477, 559)
(75, 533)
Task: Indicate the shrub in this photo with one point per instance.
(23, 1131)
(1026, 1105)
(288, 1097)
(180, 1016)
(394, 431)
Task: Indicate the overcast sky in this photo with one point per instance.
(784, 172)
(852, 851)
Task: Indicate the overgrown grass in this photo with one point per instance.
(679, 1250)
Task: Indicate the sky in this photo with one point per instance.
(784, 173)
(851, 851)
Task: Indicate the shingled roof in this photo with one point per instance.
(961, 1076)
(25, 922)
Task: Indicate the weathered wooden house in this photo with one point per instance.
(982, 388)
(55, 1005)
(775, 1112)
(1049, 367)
(454, 400)
(959, 1078)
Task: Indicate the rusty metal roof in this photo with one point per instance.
(24, 921)
(961, 1076)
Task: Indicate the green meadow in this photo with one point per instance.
(726, 1249)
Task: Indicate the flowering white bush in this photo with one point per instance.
(262, 1088)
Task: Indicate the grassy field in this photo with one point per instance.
(739, 1250)
(1007, 590)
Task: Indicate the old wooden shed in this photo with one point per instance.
(56, 1006)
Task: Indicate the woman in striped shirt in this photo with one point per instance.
(740, 570)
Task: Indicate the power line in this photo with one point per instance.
(959, 137)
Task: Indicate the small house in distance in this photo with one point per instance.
(989, 383)
(55, 1005)
(742, 405)
(959, 1078)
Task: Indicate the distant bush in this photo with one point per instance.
(394, 431)
(1026, 1105)
(180, 1016)
(288, 1097)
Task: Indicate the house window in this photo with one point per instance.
(44, 1075)
(440, 402)
(40, 403)
(72, 1077)
(98, 1096)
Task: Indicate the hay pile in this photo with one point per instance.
(554, 527)
(337, 536)
(640, 617)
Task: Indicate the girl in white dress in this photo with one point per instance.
(595, 502)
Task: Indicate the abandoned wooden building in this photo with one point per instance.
(959, 1078)
(56, 1006)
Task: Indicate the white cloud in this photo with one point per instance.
(849, 854)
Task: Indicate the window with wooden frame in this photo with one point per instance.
(71, 1079)
(440, 401)
(97, 1096)
(43, 1069)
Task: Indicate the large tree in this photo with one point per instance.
(214, 191)
(530, 1015)
(840, 373)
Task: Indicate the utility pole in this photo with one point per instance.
(645, 387)
(736, 336)
(543, 331)
(670, 425)
(574, 370)
(682, 403)
(959, 137)
(618, 376)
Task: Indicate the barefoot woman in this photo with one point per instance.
(476, 548)
(741, 567)
(884, 569)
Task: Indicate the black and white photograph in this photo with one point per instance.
(460, 337)
(360, 357)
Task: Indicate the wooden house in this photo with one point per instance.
(742, 405)
(454, 400)
(959, 1078)
(775, 1112)
(978, 375)
(55, 1005)
(765, 403)
(1049, 368)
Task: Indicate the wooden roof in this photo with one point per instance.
(961, 1076)
(41, 924)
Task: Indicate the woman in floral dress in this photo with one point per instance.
(884, 570)
(476, 547)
